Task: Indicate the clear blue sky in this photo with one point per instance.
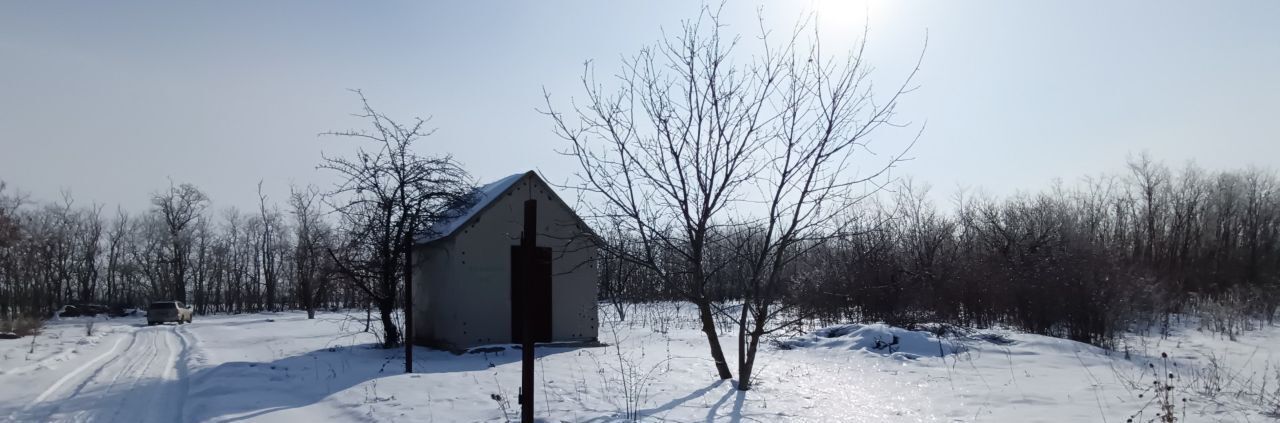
(109, 99)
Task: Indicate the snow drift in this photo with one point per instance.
(877, 338)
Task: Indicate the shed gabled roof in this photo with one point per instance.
(484, 197)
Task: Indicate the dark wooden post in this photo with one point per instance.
(528, 243)
(408, 303)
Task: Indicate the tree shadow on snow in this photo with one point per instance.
(671, 405)
(734, 415)
(250, 389)
(243, 390)
(713, 413)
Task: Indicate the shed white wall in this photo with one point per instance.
(430, 279)
(465, 280)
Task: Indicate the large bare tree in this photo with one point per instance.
(89, 231)
(178, 208)
(697, 143)
(310, 239)
(270, 254)
(387, 195)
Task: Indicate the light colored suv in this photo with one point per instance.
(168, 311)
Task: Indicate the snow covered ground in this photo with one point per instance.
(284, 367)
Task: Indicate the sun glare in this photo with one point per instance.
(843, 15)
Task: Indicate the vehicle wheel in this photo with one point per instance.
(151, 323)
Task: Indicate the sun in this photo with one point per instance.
(848, 13)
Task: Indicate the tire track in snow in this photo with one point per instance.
(92, 377)
(135, 371)
(184, 371)
(65, 378)
(113, 385)
(129, 360)
(149, 390)
(145, 381)
(56, 406)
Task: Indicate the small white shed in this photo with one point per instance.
(463, 286)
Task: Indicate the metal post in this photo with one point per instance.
(528, 243)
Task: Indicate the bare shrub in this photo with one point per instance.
(1270, 398)
(1161, 394)
(624, 378)
(1211, 379)
(1233, 312)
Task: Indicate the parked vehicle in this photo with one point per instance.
(77, 310)
(168, 311)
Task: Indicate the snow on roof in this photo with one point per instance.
(483, 197)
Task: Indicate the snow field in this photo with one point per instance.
(654, 366)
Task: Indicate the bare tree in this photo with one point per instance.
(387, 196)
(669, 150)
(267, 242)
(309, 243)
(59, 231)
(1150, 182)
(235, 233)
(89, 232)
(11, 229)
(692, 141)
(116, 242)
(826, 113)
(179, 207)
(202, 236)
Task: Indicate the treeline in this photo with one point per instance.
(1088, 262)
(355, 253)
(229, 260)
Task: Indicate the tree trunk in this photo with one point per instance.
(745, 367)
(181, 283)
(392, 335)
(709, 328)
(744, 371)
(368, 316)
